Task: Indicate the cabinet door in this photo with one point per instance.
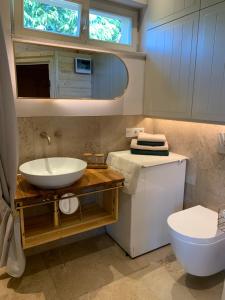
(206, 3)
(209, 94)
(171, 53)
(163, 11)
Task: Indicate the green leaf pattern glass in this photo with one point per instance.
(104, 29)
(60, 17)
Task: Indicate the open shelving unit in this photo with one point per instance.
(41, 220)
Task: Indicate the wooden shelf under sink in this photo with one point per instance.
(40, 230)
(52, 225)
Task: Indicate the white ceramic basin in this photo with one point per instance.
(54, 172)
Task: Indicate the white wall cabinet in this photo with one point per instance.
(171, 53)
(209, 91)
(162, 11)
(206, 3)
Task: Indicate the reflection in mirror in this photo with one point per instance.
(50, 72)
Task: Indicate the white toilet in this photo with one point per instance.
(196, 241)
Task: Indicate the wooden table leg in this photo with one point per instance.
(116, 204)
(56, 214)
(22, 227)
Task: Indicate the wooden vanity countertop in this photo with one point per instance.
(93, 178)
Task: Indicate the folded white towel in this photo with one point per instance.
(134, 145)
(130, 165)
(129, 168)
(151, 137)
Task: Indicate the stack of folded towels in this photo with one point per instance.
(150, 144)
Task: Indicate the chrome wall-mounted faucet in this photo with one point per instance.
(44, 135)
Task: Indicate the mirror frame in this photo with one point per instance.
(130, 104)
(118, 55)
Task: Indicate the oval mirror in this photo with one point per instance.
(51, 72)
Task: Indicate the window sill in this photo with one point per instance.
(92, 45)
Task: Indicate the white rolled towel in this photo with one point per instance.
(147, 137)
(134, 145)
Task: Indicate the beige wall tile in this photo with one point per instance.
(78, 135)
(205, 180)
(113, 131)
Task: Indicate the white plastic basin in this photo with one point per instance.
(54, 172)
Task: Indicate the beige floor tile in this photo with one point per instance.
(34, 285)
(89, 265)
(209, 288)
(98, 269)
(124, 289)
(155, 259)
(170, 282)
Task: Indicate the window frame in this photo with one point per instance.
(119, 10)
(87, 5)
(19, 28)
(111, 16)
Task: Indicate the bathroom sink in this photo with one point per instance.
(54, 172)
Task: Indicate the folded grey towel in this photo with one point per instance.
(152, 144)
(134, 145)
(150, 152)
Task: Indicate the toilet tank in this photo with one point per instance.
(142, 225)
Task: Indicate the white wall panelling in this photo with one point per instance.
(209, 95)
(171, 53)
(206, 3)
(162, 11)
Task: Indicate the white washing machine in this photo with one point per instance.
(142, 225)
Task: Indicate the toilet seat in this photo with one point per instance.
(196, 225)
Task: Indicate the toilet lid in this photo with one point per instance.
(197, 224)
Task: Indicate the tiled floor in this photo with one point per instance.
(97, 269)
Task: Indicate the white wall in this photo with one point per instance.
(130, 104)
(5, 18)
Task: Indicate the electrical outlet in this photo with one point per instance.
(133, 132)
